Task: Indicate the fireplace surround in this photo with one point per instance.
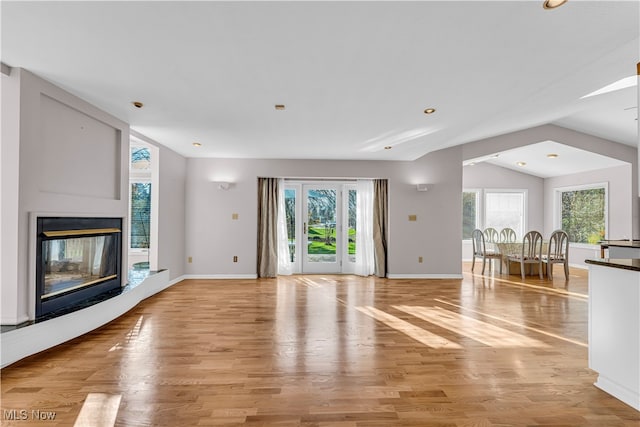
(78, 260)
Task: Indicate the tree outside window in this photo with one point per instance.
(469, 213)
(140, 204)
(583, 214)
(140, 215)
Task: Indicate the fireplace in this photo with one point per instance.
(78, 262)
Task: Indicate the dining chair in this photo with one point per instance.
(507, 235)
(557, 253)
(480, 251)
(531, 252)
(491, 235)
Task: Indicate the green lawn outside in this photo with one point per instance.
(319, 245)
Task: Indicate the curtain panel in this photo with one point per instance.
(285, 266)
(267, 227)
(365, 258)
(380, 217)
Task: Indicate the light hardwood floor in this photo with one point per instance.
(330, 351)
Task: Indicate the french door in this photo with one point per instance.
(321, 222)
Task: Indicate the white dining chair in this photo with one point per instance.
(507, 235)
(480, 251)
(531, 252)
(557, 253)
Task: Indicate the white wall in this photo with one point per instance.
(171, 213)
(72, 161)
(621, 202)
(10, 195)
(213, 238)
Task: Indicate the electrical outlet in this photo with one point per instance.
(190, 260)
(420, 259)
(235, 258)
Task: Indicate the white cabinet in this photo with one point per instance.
(614, 329)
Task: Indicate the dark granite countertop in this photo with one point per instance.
(623, 263)
(621, 243)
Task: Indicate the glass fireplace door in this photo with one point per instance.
(73, 263)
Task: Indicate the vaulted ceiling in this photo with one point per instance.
(354, 77)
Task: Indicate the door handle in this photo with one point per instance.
(304, 228)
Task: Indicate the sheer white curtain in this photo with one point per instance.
(365, 263)
(284, 264)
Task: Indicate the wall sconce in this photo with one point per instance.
(423, 187)
(223, 185)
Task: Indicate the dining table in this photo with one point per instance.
(515, 248)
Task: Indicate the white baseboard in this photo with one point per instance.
(220, 276)
(424, 276)
(25, 341)
(628, 396)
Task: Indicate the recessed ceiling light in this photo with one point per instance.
(137, 104)
(552, 155)
(279, 106)
(521, 163)
(552, 4)
(197, 144)
(430, 111)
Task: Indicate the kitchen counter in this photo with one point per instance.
(621, 248)
(623, 263)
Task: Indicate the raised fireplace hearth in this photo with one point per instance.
(78, 260)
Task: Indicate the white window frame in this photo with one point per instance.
(525, 206)
(557, 209)
(150, 176)
(346, 265)
(297, 187)
(481, 214)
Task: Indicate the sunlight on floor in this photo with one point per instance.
(469, 327)
(99, 410)
(131, 336)
(425, 337)
(519, 324)
(563, 292)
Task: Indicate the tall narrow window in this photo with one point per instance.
(470, 220)
(140, 215)
(351, 224)
(143, 221)
(290, 212)
(583, 213)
